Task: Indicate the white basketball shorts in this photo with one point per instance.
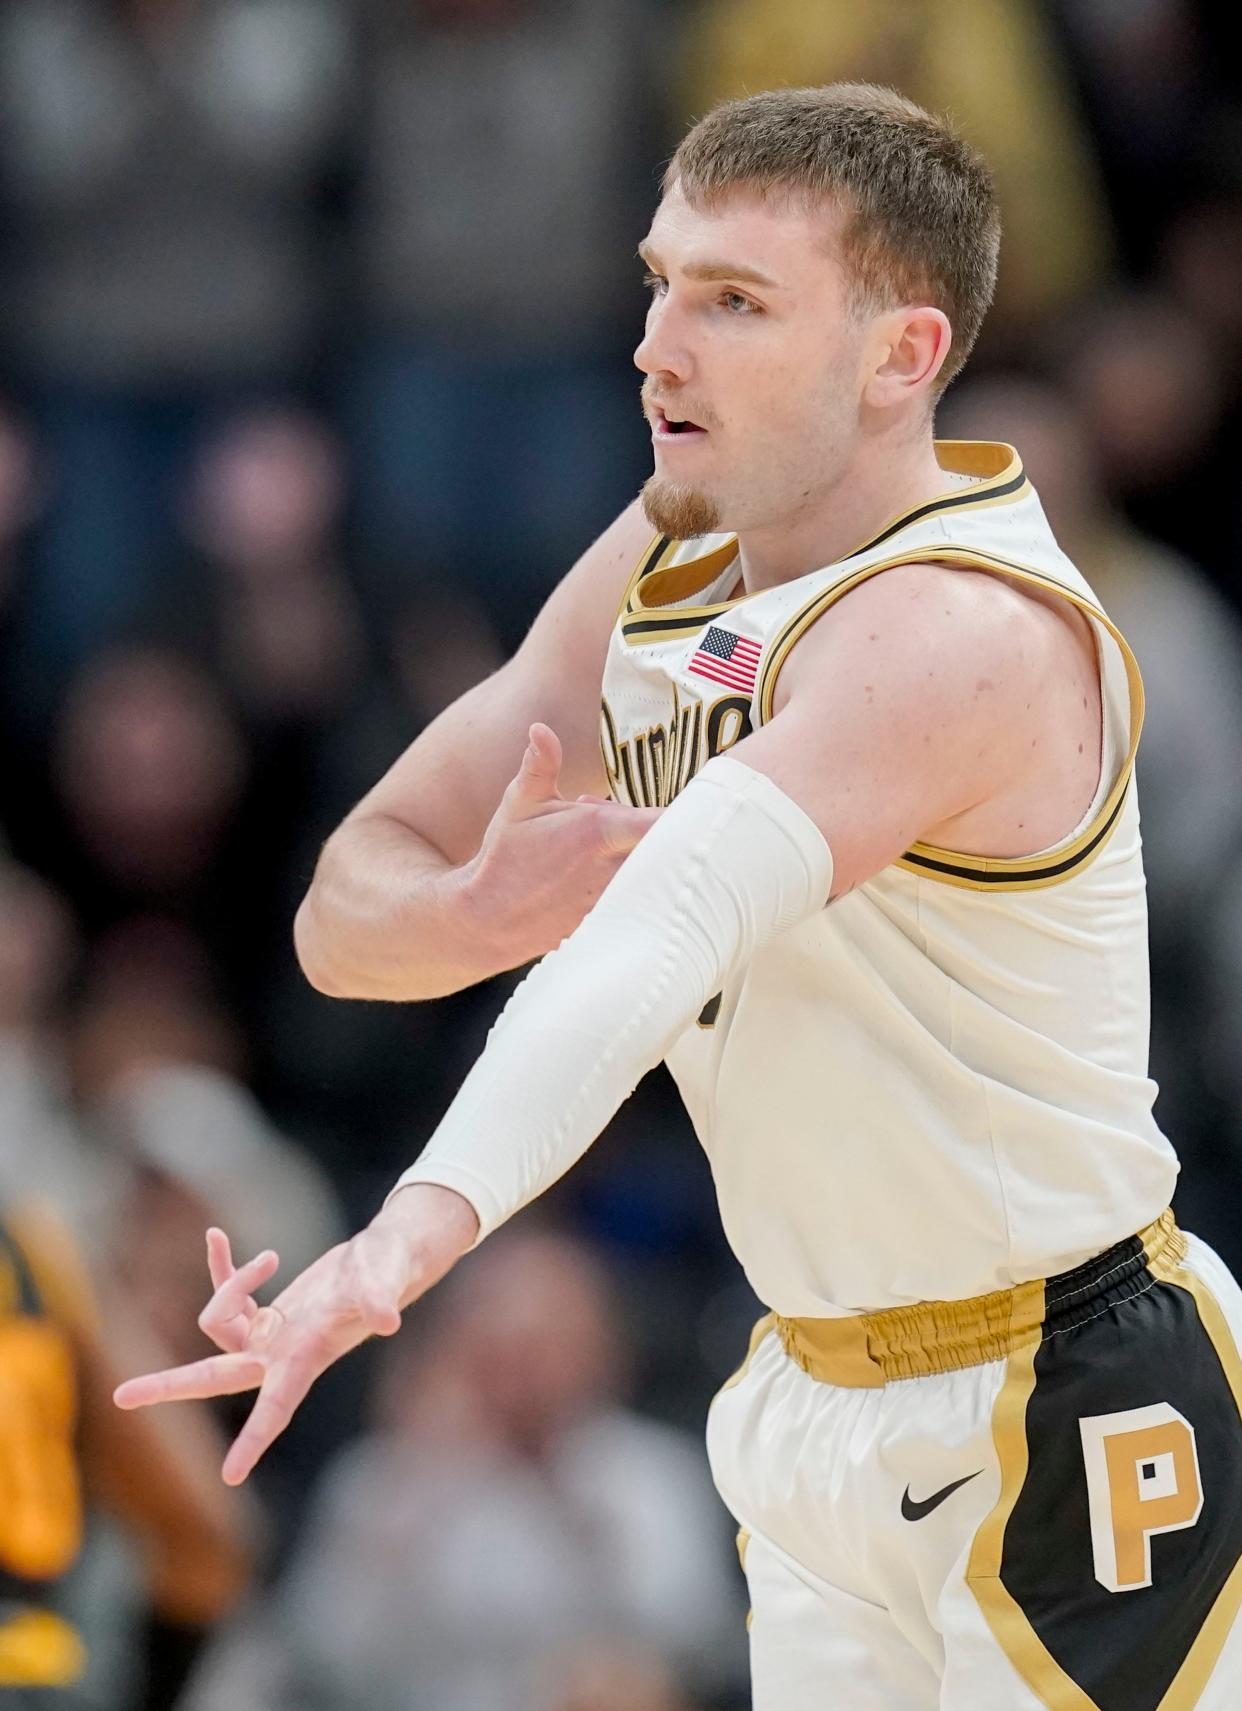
(1031, 1501)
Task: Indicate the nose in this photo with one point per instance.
(662, 351)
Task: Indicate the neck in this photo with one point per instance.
(875, 488)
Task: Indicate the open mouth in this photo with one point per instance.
(668, 426)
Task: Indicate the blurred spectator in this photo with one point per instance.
(466, 647)
(70, 1328)
(505, 1508)
(503, 182)
(126, 1113)
(152, 816)
(149, 814)
(1143, 76)
(149, 766)
(260, 591)
(155, 1068)
(609, 1678)
(178, 1143)
(1161, 402)
(1139, 363)
(193, 1149)
(1222, 937)
(36, 941)
(41, 1153)
(162, 164)
(997, 67)
(265, 511)
(84, 1623)
(1201, 260)
(263, 590)
(21, 498)
(202, 1152)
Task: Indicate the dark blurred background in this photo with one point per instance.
(314, 378)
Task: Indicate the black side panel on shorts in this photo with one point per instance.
(1123, 1649)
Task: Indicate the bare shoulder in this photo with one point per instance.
(937, 705)
(942, 637)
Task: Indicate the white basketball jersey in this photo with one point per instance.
(938, 1086)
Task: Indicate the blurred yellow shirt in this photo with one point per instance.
(990, 65)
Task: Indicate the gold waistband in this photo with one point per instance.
(872, 1349)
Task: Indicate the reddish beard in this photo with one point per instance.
(682, 513)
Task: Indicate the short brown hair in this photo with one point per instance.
(922, 222)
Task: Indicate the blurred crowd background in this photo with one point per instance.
(315, 333)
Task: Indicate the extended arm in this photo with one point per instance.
(869, 748)
(731, 863)
(468, 857)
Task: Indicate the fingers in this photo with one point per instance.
(353, 1290)
(279, 1398)
(219, 1257)
(220, 1265)
(218, 1375)
(358, 1291)
(622, 828)
(540, 767)
(227, 1315)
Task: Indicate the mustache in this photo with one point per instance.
(651, 399)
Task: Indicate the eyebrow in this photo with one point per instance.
(711, 270)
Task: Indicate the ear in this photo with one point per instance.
(908, 350)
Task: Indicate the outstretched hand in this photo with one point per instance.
(355, 1291)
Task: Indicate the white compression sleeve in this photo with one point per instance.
(730, 863)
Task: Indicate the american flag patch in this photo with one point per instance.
(727, 659)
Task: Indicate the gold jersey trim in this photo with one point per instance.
(666, 584)
(955, 867)
(654, 554)
(657, 583)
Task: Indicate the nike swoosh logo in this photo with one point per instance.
(913, 1511)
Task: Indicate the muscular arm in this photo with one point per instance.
(869, 749)
(391, 912)
(920, 700)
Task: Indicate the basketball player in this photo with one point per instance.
(868, 875)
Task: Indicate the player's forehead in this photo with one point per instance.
(781, 236)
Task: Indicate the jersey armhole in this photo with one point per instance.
(954, 867)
